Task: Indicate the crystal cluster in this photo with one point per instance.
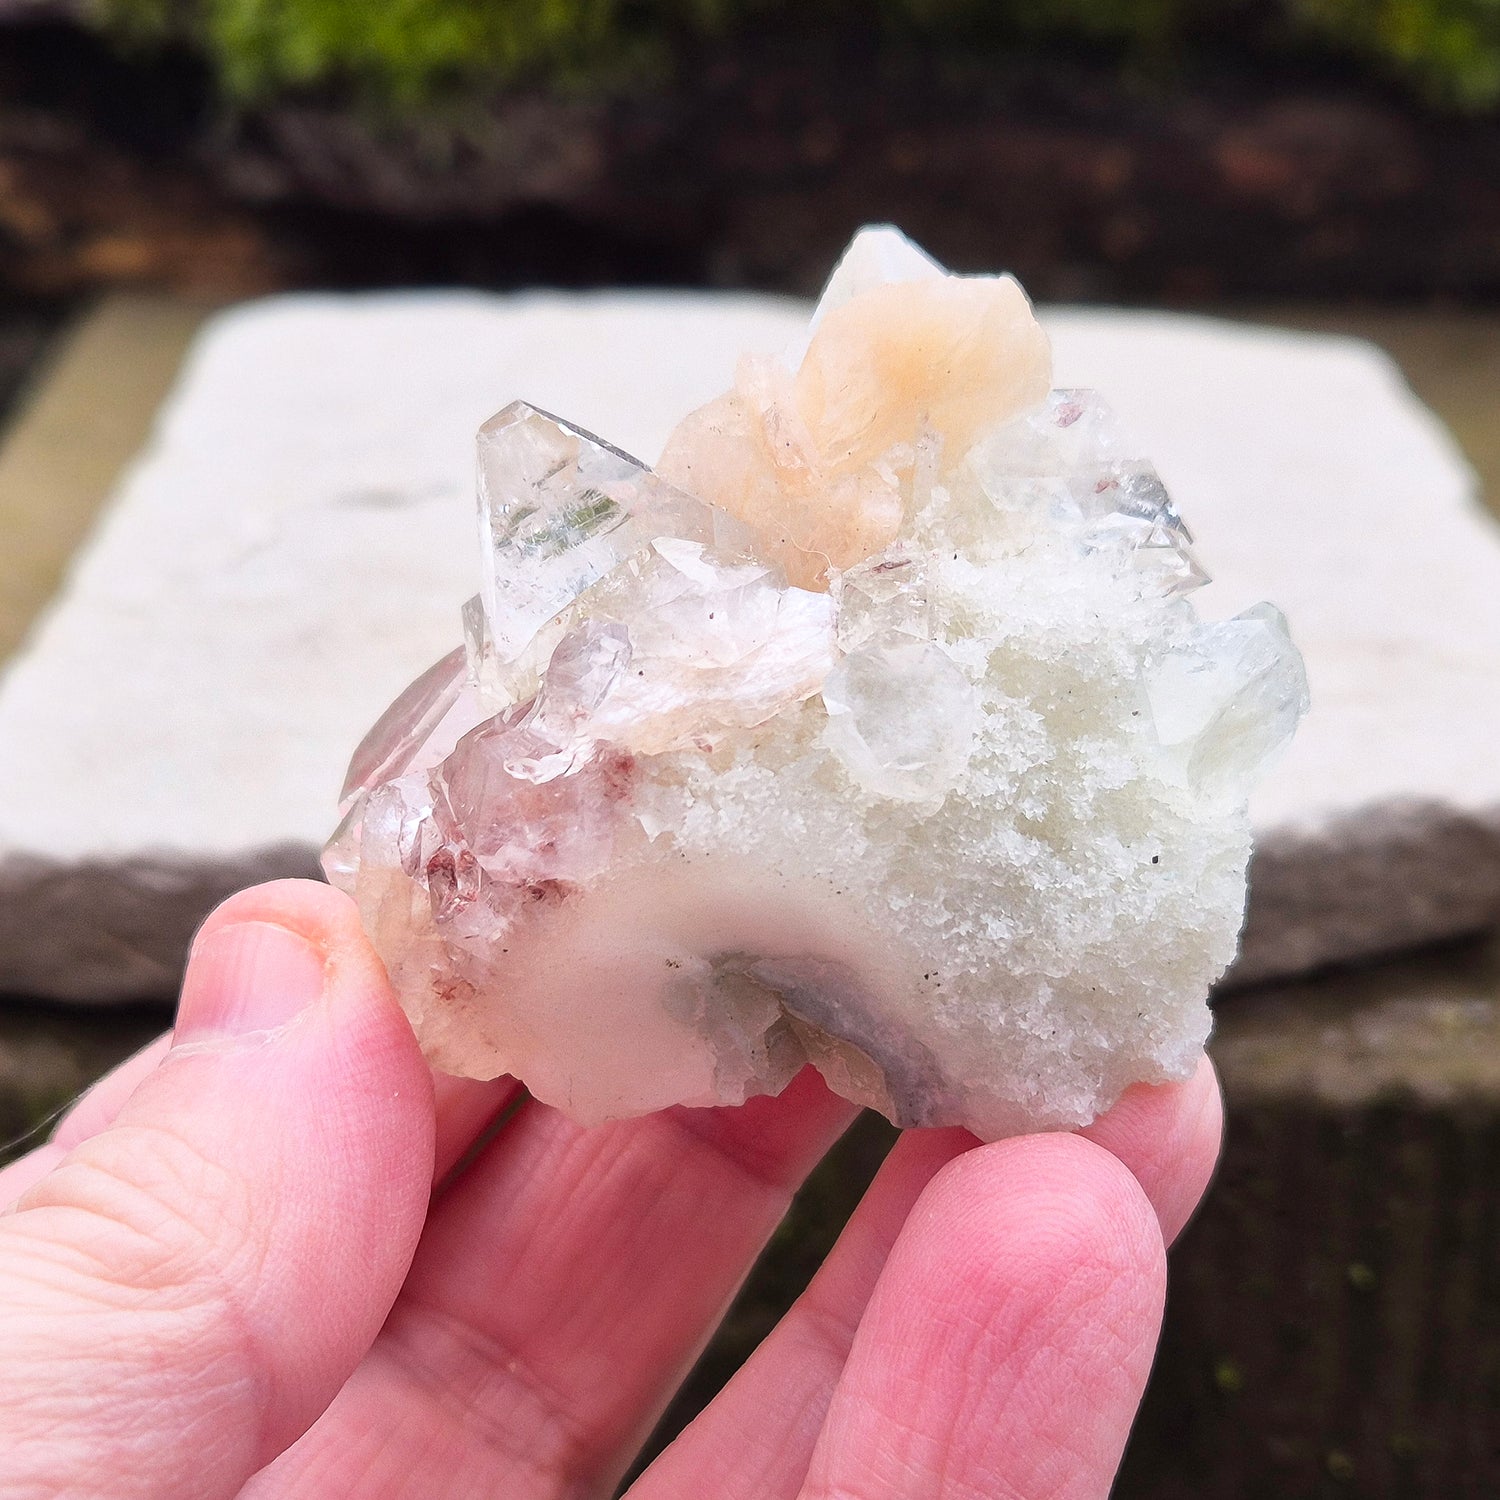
(874, 728)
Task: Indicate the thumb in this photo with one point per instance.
(188, 1289)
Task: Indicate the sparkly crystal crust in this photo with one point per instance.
(873, 729)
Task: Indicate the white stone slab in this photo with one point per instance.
(295, 542)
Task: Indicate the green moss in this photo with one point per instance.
(401, 51)
(1339, 1465)
(1449, 49)
(408, 52)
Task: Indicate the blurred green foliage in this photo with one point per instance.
(1450, 49)
(409, 52)
(402, 51)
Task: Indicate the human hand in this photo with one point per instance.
(228, 1273)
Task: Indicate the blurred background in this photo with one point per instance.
(1334, 1322)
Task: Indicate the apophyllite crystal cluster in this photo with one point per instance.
(873, 728)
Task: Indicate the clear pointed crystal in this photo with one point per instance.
(901, 718)
(891, 594)
(559, 509)
(1229, 702)
(417, 730)
(1070, 461)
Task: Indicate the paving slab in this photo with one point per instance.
(292, 545)
(1451, 357)
(83, 416)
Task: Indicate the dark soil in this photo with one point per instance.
(1239, 180)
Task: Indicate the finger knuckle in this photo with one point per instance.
(146, 1211)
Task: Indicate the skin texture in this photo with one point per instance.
(246, 1265)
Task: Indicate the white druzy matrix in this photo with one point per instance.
(873, 728)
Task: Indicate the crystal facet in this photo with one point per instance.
(559, 509)
(900, 717)
(1229, 701)
(872, 730)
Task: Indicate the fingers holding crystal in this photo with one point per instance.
(1169, 1136)
(1007, 1341)
(756, 1439)
(253, 1205)
(565, 1283)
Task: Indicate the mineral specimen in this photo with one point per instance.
(873, 729)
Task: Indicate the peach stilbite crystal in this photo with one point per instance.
(817, 462)
(872, 729)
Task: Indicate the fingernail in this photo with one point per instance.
(249, 976)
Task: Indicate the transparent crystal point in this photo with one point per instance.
(1168, 567)
(901, 718)
(716, 642)
(418, 729)
(559, 509)
(1230, 701)
(1125, 508)
(891, 594)
(1132, 497)
(1070, 460)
